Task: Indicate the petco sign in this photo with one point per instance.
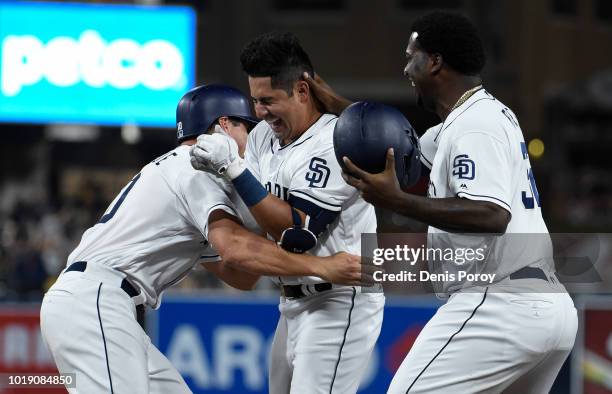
(63, 61)
(94, 63)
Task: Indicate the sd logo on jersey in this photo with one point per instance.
(463, 167)
(318, 174)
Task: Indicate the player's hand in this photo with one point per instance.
(346, 269)
(216, 153)
(382, 189)
(329, 100)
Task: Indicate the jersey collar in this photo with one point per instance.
(478, 95)
(323, 119)
(481, 94)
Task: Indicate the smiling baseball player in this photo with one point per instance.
(511, 336)
(162, 224)
(326, 333)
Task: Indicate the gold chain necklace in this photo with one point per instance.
(465, 96)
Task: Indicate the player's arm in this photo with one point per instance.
(275, 215)
(482, 193)
(316, 193)
(272, 214)
(240, 280)
(246, 251)
(453, 214)
(320, 170)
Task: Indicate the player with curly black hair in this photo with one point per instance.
(510, 334)
(452, 42)
(453, 37)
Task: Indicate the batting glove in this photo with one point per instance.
(217, 153)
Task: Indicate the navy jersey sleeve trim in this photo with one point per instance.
(317, 201)
(222, 205)
(320, 217)
(487, 198)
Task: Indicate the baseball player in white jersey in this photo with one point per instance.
(326, 333)
(511, 334)
(166, 221)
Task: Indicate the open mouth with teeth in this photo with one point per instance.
(275, 124)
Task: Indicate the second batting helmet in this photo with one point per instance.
(203, 105)
(365, 131)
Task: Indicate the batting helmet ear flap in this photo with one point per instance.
(411, 161)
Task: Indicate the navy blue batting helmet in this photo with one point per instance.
(203, 105)
(365, 131)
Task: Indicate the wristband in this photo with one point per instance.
(234, 169)
(249, 188)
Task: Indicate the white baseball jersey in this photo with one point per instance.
(306, 172)
(481, 155)
(155, 230)
(513, 335)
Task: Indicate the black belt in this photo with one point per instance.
(295, 291)
(126, 286)
(529, 273)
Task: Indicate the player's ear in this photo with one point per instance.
(224, 123)
(435, 63)
(302, 90)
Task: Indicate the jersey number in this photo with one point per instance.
(529, 201)
(109, 216)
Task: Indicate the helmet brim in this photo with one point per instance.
(251, 121)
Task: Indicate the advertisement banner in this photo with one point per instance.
(221, 344)
(94, 63)
(23, 353)
(592, 356)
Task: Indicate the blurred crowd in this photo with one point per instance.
(37, 236)
(36, 240)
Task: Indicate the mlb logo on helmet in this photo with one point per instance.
(179, 130)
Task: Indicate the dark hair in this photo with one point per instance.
(454, 37)
(276, 55)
